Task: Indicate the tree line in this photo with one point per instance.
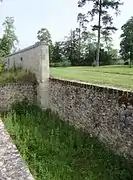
(86, 47)
(82, 46)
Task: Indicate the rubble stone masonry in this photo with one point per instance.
(103, 112)
(14, 92)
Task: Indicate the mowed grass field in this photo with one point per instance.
(114, 76)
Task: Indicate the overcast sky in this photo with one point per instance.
(58, 16)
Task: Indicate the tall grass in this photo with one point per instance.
(16, 75)
(54, 150)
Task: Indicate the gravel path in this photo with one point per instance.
(12, 167)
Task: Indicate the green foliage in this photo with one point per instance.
(56, 52)
(64, 63)
(1, 67)
(106, 39)
(44, 35)
(100, 9)
(17, 75)
(80, 48)
(54, 150)
(80, 53)
(127, 40)
(9, 39)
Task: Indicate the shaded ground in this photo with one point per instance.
(56, 151)
(116, 76)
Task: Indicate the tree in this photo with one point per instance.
(71, 47)
(105, 20)
(56, 52)
(44, 35)
(126, 43)
(106, 39)
(9, 40)
(82, 20)
(66, 52)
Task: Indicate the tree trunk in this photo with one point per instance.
(130, 59)
(130, 63)
(99, 33)
(79, 42)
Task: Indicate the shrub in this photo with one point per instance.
(61, 64)
(126, 63)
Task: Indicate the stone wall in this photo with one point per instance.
(12, 92)
(36, 59)
(103, 112)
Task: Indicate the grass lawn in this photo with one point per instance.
(56, 151)
(116, 76)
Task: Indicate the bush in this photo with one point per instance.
(126, 63)
(61, 64)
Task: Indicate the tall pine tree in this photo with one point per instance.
(101, 9)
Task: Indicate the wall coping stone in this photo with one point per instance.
(12, 166)
(26, 49)
(16, 83)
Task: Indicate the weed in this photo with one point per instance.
(17, 75)
(54, 150)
